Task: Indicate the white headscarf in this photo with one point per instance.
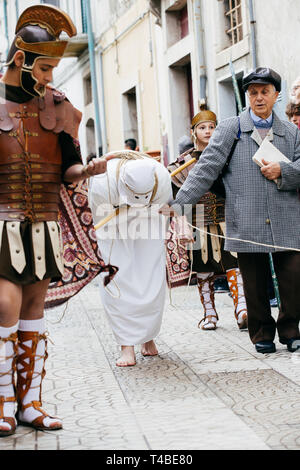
(137, 182)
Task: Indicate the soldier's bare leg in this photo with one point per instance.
(10, 305)
(32, 353)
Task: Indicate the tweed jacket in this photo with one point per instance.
(257, 209)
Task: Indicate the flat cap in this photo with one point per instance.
(262, 75)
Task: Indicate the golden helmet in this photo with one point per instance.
(203, 116)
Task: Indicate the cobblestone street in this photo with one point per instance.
(205, 390)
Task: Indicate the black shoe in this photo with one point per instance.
(293, 344)
(221, 285)
(265, 347)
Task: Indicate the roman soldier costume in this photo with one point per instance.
(210, 260)
(40, 217)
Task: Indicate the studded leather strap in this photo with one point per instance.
(201, 283)
(236, 293)
(26, 362)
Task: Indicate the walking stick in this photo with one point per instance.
(110, 217)
(240, 108)
(183, 167)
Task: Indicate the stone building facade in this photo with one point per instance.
(157, 61)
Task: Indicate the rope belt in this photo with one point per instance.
(246, 241)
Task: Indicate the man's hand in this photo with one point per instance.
(168, 211)
(186, 240)
(183, 230)
(271, 170)
(95, 167)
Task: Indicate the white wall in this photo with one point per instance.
(69, 78)
(278, 23)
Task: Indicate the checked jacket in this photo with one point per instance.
(257, 209)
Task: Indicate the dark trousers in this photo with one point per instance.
(255, 269)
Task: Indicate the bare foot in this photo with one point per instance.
(127, 358)
(149, 349)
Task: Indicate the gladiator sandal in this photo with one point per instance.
(26, 374)
(236, 287)
(208, 301)
(3, 399)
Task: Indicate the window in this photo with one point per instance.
(233, 14)
(177, 23)
(181, 100)
(227, 97)
(155, 6)
(90, 137)
(130, 115)
(87, 86)
(184, 22)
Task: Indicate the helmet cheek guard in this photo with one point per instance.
(28, 82)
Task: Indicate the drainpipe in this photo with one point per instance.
(102, 105)
(17, 8)
(252, 34)
(199, 32)
(6, 25)
(91, 44)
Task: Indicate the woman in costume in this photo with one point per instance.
(136, 186)
(211, 260)
(37, 152)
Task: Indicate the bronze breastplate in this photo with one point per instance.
(30, 164)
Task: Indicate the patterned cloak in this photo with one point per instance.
(81, 256)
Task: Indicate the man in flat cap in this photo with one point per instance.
(262, 207)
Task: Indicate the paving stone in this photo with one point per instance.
(265, 400)
(205, 390)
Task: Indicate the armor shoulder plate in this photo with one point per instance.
(57, 114)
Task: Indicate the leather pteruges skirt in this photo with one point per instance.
(47, 254)
(227, 260)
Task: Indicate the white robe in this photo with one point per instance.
(136, 305)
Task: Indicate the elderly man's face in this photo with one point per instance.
(262, 99)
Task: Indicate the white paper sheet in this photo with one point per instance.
(270, 153)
